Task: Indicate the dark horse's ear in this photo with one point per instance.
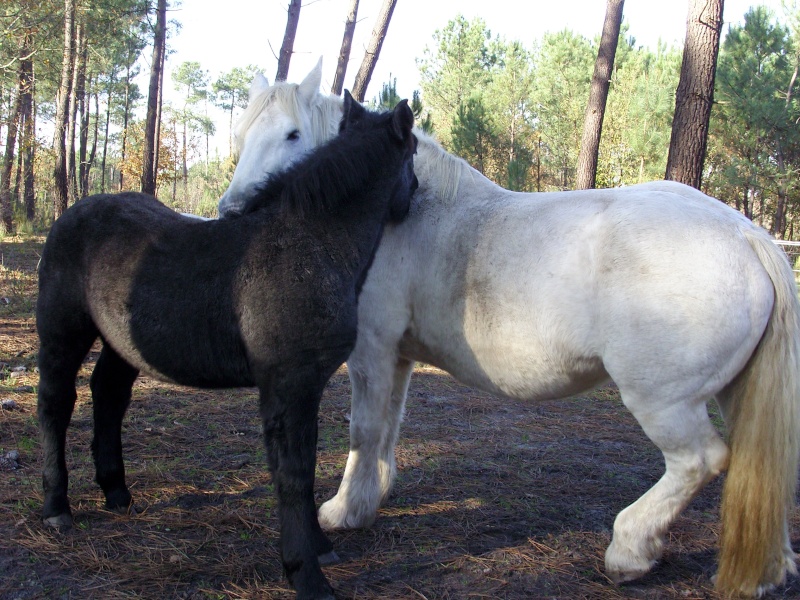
(352, 111)
(402, 120)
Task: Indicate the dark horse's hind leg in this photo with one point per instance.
(112, 380)
(60, 356)
(289, 407)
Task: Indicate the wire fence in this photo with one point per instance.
(792, 250)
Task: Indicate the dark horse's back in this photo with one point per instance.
(189, 300)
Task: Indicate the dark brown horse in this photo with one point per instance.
(266, 299)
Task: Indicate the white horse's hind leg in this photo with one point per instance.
(379, 395)
(694, 454)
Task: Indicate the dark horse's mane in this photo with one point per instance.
(331, 174)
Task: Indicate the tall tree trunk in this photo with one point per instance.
(779, 219)
(93, 151)
(126, 109)
(18, 171)
(287, 47)
(185, 168)
(83, 145)
(344, 52)
(149, 164)
(6, 211)
(175, 164)
(598, 95)
(695, 93)
(111, 80)
(159, 112)
(60, 179)
(82, 120)
(74, 100)
(27, 148)
(373, 50)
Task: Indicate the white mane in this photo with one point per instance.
(434, 164)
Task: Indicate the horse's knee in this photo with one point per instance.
(366, 434)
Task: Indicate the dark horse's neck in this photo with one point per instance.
(339, 194)
(340, 175)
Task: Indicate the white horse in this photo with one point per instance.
(671, 294)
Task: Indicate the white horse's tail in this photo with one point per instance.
(763, 412)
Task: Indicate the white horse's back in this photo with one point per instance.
(543, 295)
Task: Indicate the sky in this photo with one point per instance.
(224, 35)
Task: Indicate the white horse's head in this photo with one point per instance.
(280, 124)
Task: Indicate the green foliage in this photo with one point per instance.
(422, 118)
(754, 145)
(230, 89)
(388, 99)
(192, 79)
(472, 134)
(515, 112)
(460, 64)
(636, 130)
(564, 67)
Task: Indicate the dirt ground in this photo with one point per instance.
(494, 499)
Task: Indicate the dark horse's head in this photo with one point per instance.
(372, 155)
(400, 121)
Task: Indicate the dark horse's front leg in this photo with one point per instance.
(61, 352)
(289, 406)
(111, 384)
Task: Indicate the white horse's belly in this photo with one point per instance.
(502, 335)
(509, 371)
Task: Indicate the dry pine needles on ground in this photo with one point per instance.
(494, 499)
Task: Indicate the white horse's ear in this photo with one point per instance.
(258, 85)
(309, 87)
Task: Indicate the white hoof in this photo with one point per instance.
(62, 521)
(336, 514)
(625, 565)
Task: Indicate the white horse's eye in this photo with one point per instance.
(293, 135)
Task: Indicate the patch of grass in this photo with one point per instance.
(27, 444)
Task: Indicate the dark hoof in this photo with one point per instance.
(328, 559)
(129, 510)
(62, 521)
(120, 501)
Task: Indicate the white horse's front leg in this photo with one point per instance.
(380, 384)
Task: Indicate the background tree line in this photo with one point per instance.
(515, 112)
(70, 73)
